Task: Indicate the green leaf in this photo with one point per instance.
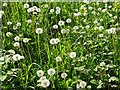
(93, 81)
(3, 77)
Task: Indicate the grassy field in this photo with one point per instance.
(60, 45)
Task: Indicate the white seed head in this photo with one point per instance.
(25, 40)
(102, 64)
(40, 73)
(83, 84)
(39, 30)
(57, 11)
(51, 71)
(72, 54)
(64, 75)
(61, 23)
(45, 83)
(17, 38)
(16, 57)
(55, 26)
(8, 34)
(100, 35)
(52, 10)
(26, 5)
(68, 20)
(58, 59)
(16, 44)
(4, 4)
(9, 23)
(29, 21)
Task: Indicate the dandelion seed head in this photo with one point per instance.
(40, 73)
(17, 38)
(64, 75)
(25, 40)
(58, 59)
(4, 4)
(52, 10)
(72, 54)
(8, 34)
(16, 44)
(57, 11)
(45, 83)
(26, 5)
(68, 20)
(55, 26)
(61, 23)
(51, 71)
(39, 30)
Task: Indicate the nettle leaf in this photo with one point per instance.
(93, 81)
(3, 77)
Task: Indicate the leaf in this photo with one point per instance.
(3, 77)
(93, 81)
(68, 81)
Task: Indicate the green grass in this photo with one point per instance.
(91, 50)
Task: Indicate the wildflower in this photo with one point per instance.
(58, 58)
(102, 64)
(9, 23)
(99, 9)
(8, 34)
(101, 27)
(45, 83)
(52, 10)
(61, 23)
(17, 38)
(64, 75)
(72, 54)
(111, 31)
(26, 5)
(90, 8)
(29, 21)
(83, 84)
(95, 22)
(14, 27)
(57, 12)
(4, 4)
(55, 26)
(77, 14)
(101, 20)
(16, 57)
(52, 41)
(87, 26)
(58, 8)
(16, 44)
(75, 27)
(41, 79)
(38, 10)
(39, 30)
(40, 73)
(51, 71)
(68, 20)
(104, 10)
(46, 5)
(115, 17)
(100, 35)
(25, 40)
(56, 41)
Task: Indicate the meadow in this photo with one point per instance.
(60, 45)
